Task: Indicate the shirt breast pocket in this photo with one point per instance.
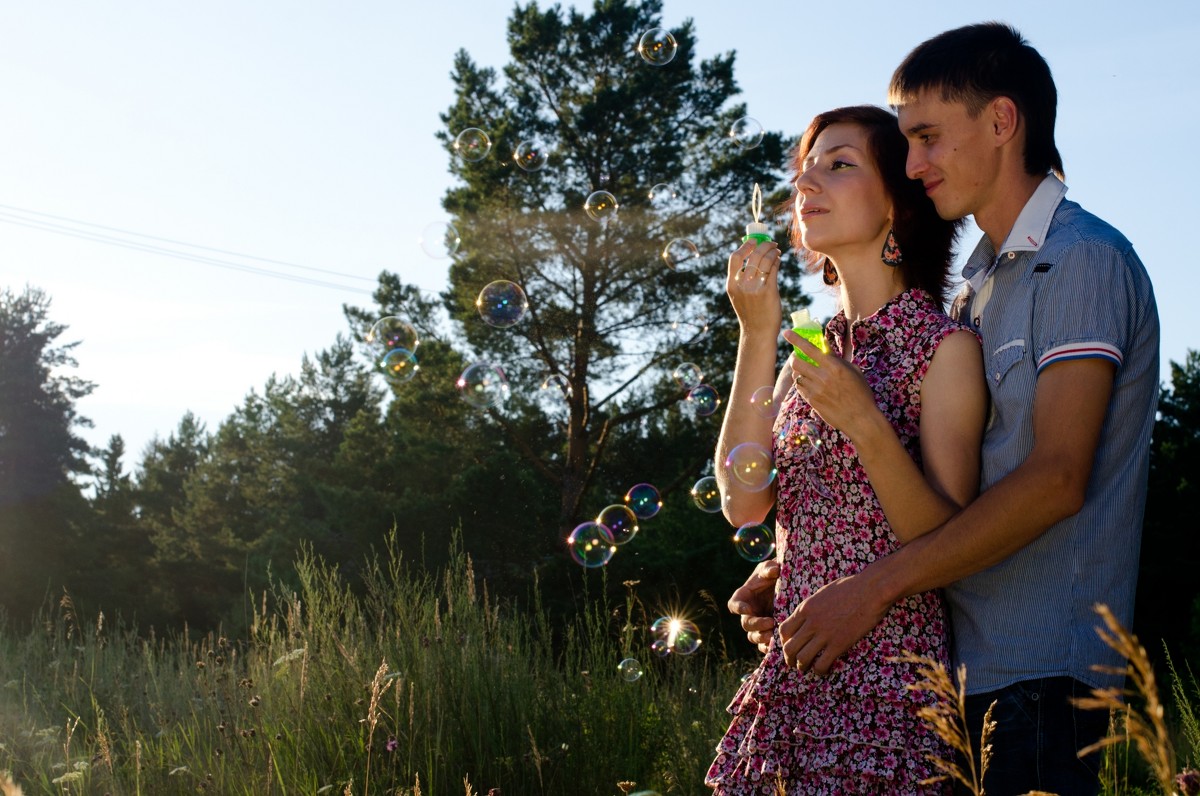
(1003, 359)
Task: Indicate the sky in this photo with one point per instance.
(302, 133)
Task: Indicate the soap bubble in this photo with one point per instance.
(501, 303)
(680, 253)
(393, 332)
(440, 240)
(706, 495)
(801, 438)
(661, 196)
(659, 647)
(472, 145)
(483, 385)
(703, 400)
(746, 133)
(679, 636)
(763, 401)
(687, 375)
(591, 545)
(530, 155)
(643, 500)
(601, 206)
(751, 465)
(620, 521)
(630, 670)
(754, 542)
(657, 47)
(398, 365)
(557, 385)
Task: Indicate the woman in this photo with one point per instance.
(875, 444)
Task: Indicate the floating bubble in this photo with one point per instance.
(659, 647)
(557, 385)
(393, 332)
(801, 438)
(601, 206)
(643, 500)
(680, 636)
(687, 375)
(530, 156)
(620, 521)
(591, 545)
(746, 676)
(630, 670)
(751, 464)
(746, 133)
(763, 402)
(501, 303)
(398, 365)
(754, 542)
(472, 145)
(657, 47)
(483, 385)
(680, 253)
(440, 240)
(706, 495)
(662, 195)
(703, 400)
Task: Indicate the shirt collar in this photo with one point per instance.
(1027, 234)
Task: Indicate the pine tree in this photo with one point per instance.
(607, 314)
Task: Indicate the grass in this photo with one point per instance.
(422, 684)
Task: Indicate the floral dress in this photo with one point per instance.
(856, 730)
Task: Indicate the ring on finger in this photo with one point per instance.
(799, 377)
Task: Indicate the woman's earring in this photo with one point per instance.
(828, 273)
(891, 251)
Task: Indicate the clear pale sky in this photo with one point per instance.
(303, 132)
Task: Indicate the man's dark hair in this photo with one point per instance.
(974, 65)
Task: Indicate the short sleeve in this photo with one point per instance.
(1085, 304)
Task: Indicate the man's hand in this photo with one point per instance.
(753, 602)
(830, 622)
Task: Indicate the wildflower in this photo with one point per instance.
(291, 656)
(392, 744)
(72, 776)
(1188, 782)
(255, 701)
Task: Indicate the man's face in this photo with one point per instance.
(952, 154)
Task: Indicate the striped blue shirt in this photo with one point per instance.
(1065, 285)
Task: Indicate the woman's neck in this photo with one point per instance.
(865, 287)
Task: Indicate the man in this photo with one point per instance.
(1070, 342)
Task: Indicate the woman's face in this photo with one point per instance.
(840, 200)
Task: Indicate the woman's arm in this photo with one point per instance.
(753, 290)
(953, 411)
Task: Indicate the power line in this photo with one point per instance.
(72, 227)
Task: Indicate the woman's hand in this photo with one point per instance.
(835, 388)
(753, 287)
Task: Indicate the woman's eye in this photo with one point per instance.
(840, 164)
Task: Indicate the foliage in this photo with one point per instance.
(1167, 587)
(41, 508)
(422, 676)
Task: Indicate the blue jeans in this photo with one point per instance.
(1038, 732)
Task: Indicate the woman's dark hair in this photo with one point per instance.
(975, 64)
(925, 239)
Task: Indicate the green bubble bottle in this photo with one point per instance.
(756, 230)
(810, 329)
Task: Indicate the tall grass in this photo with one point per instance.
(420, 684)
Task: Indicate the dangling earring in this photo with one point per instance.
(891, 250)
(829, 274)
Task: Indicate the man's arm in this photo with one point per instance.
(1070, 405)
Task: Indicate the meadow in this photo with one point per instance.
(419, 684)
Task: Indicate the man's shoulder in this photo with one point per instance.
(1073, 227)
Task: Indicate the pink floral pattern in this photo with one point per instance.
(856, 730)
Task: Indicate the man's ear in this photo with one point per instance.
(1005, 119)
